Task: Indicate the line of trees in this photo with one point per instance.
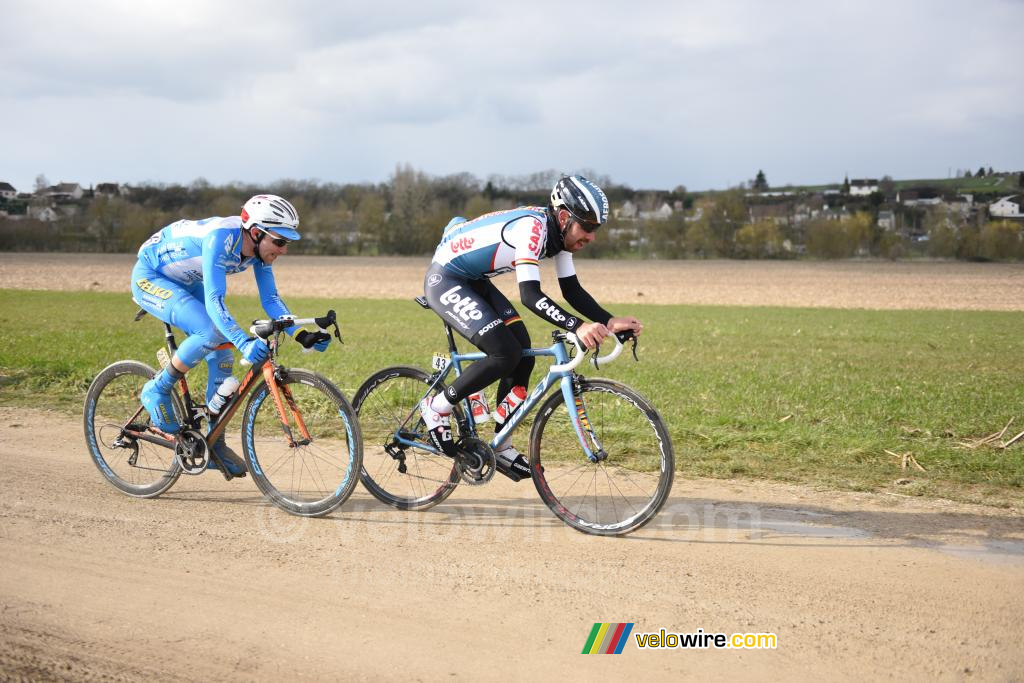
(406, 214)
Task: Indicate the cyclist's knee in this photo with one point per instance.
(525, 366)
(211, 338)
(221, 363)
(503, 350)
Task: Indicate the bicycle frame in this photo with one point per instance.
(565, 378)
(268, 369)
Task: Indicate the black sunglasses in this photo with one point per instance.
(586, 226)
(278, 242)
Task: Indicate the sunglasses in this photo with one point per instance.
(586, 226)
(278, 242)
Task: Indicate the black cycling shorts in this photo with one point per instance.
(472, 307)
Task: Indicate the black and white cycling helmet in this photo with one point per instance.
(584, 201)
(270, 212)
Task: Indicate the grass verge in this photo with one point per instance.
(815, 396)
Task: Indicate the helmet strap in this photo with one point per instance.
(556, 236)
(256, 243)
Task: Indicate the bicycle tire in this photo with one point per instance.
(112, 399)
(382, 403)
(308, 479)
(619, 494)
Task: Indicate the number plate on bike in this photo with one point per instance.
(440, 361)
(162, 357)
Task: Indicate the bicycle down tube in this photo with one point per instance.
(562, 371)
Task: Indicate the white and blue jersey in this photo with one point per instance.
(497, 243)
(197, 256)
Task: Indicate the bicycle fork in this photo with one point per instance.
(577, 409)
(286, 408)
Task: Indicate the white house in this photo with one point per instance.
(923, 197)
(862, 187)
(42, 213)
(1008, 207)
(627, 211)
(7, 191)
(887, 220)
(65, 191)
(662, 213)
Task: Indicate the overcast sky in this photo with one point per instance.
(651, 94)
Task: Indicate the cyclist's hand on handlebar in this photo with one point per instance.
(313, 340)
(591, 334)
(625, 323)
(254, 350)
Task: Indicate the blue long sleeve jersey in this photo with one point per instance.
(203, 253)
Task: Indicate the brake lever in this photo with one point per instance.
(635, 340)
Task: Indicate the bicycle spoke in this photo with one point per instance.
(387, 403)
(622, 491)
(136, 466)
(306, 478)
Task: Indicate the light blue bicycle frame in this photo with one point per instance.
(580, 422)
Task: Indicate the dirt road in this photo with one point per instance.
(209, 583)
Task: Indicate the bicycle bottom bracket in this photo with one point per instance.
(475, 461)
(191, 451)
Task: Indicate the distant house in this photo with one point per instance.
(627, 211)
(65, 191)
(777, 213)
(863, 187)
(663, 212)
(887, 220)
(43, 213)
(920, 197)
(1008, 207)
(109, 190)
(7, 191)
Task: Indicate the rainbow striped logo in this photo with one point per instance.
(607, 639)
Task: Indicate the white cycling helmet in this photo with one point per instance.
(270, 212)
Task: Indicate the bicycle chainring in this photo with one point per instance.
(192, 452)
(475, 461)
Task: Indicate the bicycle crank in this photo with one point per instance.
(475, 461)
(191, 451)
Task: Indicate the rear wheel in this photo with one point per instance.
(626, 488)
(404, 475)
(132, 457)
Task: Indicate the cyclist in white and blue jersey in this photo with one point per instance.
(180, 278)
(458, 289)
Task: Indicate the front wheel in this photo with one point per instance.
(134, 459)
(626, 488)
(400, 467)
(306, 462)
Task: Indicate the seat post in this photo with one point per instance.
(169, 336)
(451, 338)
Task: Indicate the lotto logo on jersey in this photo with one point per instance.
(461, 244)
(550, 310)
(535, 235)
(464, 306)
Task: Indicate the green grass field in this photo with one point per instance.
(803, 395)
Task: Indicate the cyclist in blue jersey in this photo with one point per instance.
(458, 289)
(180, 278)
